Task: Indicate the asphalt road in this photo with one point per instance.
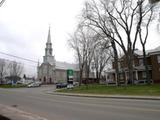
(56, 107)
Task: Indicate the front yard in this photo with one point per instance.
(151, 90)
(11, 86)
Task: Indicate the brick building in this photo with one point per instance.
(153, 61)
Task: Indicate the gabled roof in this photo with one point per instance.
(148, 52)
(139, 53)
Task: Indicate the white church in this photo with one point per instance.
(52, 71)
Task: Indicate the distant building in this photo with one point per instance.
(52, 71)
(153, 61)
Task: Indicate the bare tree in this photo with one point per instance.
(90, 47)
(102, 55)
(146, 14)
(1, 2)
(83, 43)
(98, 21)
(15, 69)
(77, 44)
(117, 19)
(3, 69)
(2, 62)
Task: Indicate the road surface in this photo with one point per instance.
(54, 107)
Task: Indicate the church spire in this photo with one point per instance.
(48, 50)
(48, 57)
(49, 36)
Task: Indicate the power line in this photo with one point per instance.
(18, 57)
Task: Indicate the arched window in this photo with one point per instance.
(50, 80)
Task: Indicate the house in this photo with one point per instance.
(139, 74)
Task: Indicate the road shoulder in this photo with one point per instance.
(16, 114)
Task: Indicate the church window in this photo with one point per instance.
(50, 80)
(50, 52)
(44, 79)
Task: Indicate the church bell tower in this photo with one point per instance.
(48, 58)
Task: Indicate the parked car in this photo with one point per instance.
(9, 82)
(69, 86)
(19, 82)
(75, 83)
(61, 85)
(34, 84)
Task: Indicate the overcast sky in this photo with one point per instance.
(24, 28)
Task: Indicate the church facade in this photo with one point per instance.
(52, 71)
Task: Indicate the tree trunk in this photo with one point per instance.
(130, 67)
(80, 77)
(116, 62)
(146, 65)
(97, 76)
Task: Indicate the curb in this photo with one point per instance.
(107, 96)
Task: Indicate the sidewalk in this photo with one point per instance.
(106, 96)
(15, 114)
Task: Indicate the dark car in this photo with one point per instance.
(61, 85)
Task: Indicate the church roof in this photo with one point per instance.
(65, 66)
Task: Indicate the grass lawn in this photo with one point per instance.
(116, 90)
(12, 86)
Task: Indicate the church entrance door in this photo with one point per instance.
(50, 80)
(44, 79)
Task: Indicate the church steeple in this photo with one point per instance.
(48, 58)
(48, 50)
(49, 36)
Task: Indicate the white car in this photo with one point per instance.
(34, 84)
(69, 86)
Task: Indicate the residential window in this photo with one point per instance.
(108, 77)
(119, 65)
(144, 75)
(140, 62)
(133, 63)
(158, 58)
(121, 76)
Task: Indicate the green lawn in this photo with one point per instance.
(115, 90)
(12, 86)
